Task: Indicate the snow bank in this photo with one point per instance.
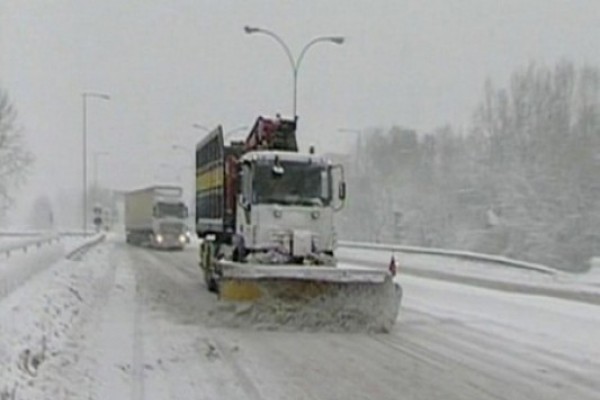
(20, 266)
(476, 273)
(593, 275)
(39, 324)
(75, 245)
(570, 328)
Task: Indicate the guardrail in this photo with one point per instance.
(76, 252)
(451, 253)
(20, 233)
(24, 246)
(33, 233)
(553, 287)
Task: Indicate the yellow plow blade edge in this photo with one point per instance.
(311, 297)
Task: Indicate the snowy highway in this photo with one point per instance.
(129, 323)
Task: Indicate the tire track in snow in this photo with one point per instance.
(170, 286)
(246, 382)
(138, 390)
(433, 355)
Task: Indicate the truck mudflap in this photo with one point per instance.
(308, 297)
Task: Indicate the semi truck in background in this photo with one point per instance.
(156, 217)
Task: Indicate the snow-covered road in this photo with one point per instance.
(129, 323)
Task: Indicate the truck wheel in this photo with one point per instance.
(212, 286)
(206, 260)
(239, 250)
(210, 281)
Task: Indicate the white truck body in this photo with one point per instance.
(156, 216)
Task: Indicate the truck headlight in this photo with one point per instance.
(277, 213)
(182, 238)
(315, 214)
(159, 238)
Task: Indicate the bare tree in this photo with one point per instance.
(15, 159)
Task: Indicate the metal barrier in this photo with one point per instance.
(451, 253)
(24, 246)
(82, 248)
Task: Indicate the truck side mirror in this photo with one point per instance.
(342, 191)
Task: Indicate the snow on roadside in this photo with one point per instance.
(20, 266)
(561, 326)
(593, 275)
(469, 268)
(39, 323)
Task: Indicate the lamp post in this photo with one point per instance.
(84, 97)
(201, 127)
(295, 63)
(234, 130)
(97, 155)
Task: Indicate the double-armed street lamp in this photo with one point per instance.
(295, 62)
(85, 96)
(233, 131)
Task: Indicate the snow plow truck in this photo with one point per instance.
(265, 219)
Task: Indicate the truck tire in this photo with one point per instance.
(211, 284)
(206, 260)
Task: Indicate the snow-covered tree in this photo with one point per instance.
(522, 180)
(14, 157)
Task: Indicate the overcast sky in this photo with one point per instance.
(169, 64)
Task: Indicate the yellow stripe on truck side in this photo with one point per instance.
(210, 179)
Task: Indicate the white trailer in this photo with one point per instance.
(156, 216)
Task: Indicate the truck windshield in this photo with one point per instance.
(298, 183)
(171, 210)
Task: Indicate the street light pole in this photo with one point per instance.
(201, 127)
(97, 155)
(84, 97)
(235, 130)
(295, 63)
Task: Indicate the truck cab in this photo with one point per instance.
(264, 201)
(286, 206)
(168, 223)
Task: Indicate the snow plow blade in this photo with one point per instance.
(309, 297)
